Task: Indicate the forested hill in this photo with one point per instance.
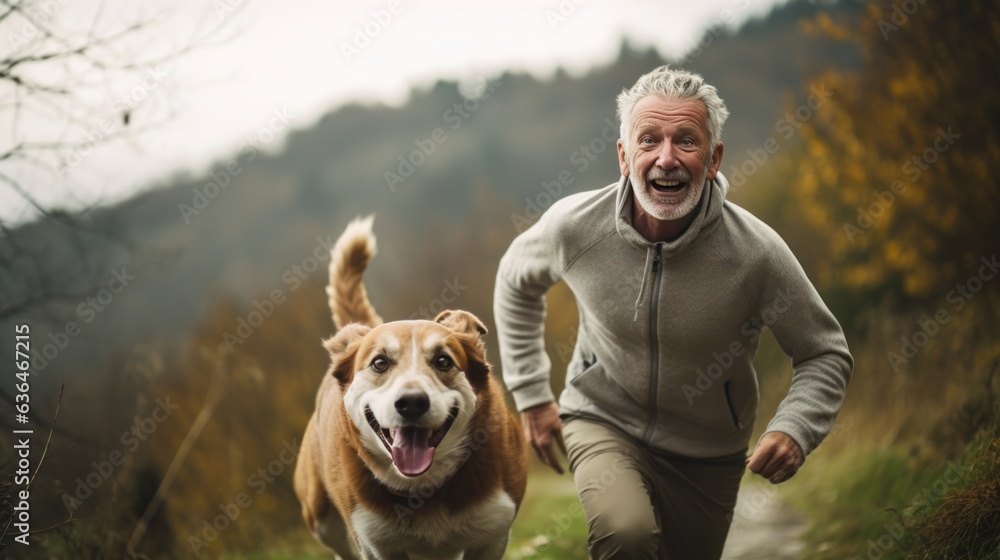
(451, 179)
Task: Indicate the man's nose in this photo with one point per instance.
(666, 156)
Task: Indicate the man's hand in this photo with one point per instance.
(776, 458)
(542, 426)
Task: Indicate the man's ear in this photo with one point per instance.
(461, 321)
(342, 348)
(622, 158)
(713, 168)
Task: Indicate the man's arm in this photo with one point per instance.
(530, 267)
(821, 368)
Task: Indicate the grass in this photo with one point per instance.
(550, 524)
(892, 504)
(967, 525)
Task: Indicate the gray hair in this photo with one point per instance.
(674, 84)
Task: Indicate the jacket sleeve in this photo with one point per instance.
(530, 267)
(811, 336)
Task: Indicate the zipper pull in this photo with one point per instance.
(656, 259)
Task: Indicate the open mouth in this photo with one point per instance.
(412, 447)
(667, 186)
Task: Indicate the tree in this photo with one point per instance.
(898, 169)
(74, 78)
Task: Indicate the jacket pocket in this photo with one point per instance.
(600, 388)
(727, 388)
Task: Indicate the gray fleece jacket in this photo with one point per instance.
(668, 331)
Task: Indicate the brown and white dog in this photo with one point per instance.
(411, 452)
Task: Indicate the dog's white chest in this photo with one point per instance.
(431, 531)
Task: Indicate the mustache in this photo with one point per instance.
(673, 175)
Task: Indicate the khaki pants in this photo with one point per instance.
(642, 505)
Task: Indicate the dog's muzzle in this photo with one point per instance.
(411, 447)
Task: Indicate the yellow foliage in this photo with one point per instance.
(902, 154)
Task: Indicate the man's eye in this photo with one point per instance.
(443, 363)
(380, 364)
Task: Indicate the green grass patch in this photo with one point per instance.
(550, 524)
(891, 504)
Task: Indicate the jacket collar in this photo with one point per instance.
(709, 210)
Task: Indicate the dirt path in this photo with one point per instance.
(763, 528)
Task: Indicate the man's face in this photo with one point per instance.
(669, 158)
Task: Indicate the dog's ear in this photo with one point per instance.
(342, 348)
(461, 321)
(478, 369)
(346, 336)
(471, 332)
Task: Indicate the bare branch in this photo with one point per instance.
(215, 392)
(63, 432)
(45, 450)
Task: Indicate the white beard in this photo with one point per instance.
(665, 207)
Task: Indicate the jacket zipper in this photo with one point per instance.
(654, 343)
(729, 403)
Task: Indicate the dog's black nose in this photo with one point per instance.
(412, 405)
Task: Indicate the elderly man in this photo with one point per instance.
(674, 285)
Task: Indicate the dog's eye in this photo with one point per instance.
(443, 362)
(380, 364)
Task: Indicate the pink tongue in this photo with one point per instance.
(410, 450)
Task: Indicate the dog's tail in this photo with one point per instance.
(348, 260)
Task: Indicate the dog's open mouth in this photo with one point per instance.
(412, 447)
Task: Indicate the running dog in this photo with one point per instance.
(411, 452)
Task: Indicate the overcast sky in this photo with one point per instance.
(299, 59)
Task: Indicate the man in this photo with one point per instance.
(674, 285)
